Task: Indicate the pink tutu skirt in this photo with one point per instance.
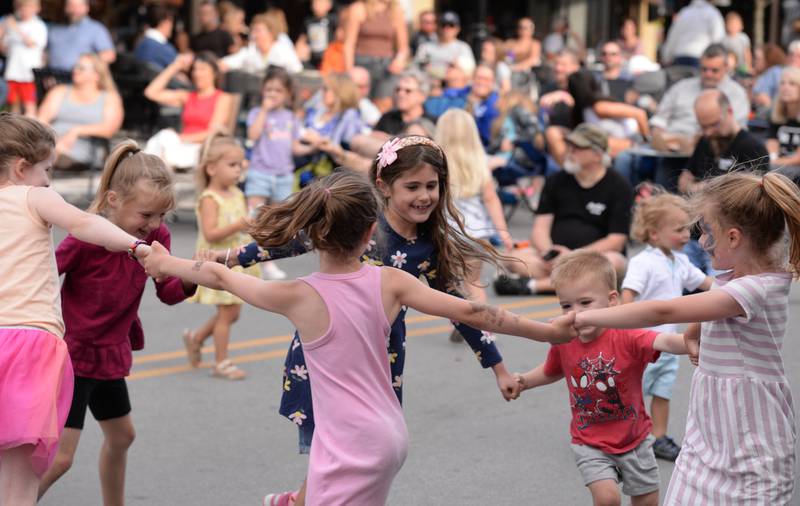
(35, 392)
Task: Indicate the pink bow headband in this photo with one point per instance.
(388, 153)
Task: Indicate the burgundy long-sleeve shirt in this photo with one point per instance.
(100, 299)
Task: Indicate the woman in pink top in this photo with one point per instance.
(204, 110)
(740, 433)
(360, 441)
(101, 332)
(35, 371)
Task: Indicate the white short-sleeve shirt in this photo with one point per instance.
(655, 276)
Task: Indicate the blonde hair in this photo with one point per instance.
(23, 137)
(216, 147)
(762, 207)
(106, 82)
(125, 167)
(649, 214)
(275, 20)
(779, 109)
(458, 136)
(581, 264)
(344, 89)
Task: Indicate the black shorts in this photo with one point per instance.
(106, 398)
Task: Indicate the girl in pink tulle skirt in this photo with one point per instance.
(35, 371)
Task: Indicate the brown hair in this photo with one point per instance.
(762, 207)
(23, 137)
(649, 214)
(345, 90)
(580, 264)
(216, 146)
(774, 55)
(453, 245)
(335, 213)
(124, 168)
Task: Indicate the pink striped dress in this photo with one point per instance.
(360, 440)
(739, 446)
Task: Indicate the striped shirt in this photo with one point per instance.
(740, 438)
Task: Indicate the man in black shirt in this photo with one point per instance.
(409, 96)
(211, 37)
(724, 145)
(585, 205)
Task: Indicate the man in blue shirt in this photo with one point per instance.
(482, 101)
(82, 35)
(155, 48)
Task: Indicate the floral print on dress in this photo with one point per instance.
(298, 417)
(418, 258)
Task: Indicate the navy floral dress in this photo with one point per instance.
(415, 256)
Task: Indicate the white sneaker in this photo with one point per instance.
(270, 270)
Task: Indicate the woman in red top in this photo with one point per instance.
(205, 109)
(100, 299)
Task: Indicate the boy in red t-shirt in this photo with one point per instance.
(610, 427)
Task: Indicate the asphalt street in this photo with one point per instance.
(203, 441)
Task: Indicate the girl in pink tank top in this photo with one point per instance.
(35, 371)
(342, 314)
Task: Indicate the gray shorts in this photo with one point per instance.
(636, 469)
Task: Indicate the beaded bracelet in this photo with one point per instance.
(133, 246)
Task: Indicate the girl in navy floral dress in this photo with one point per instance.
(413, 235)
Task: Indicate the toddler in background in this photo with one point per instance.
(661, 272)
(24, 40)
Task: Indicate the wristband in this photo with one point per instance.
(133, 246)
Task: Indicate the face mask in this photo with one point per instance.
(571, 166)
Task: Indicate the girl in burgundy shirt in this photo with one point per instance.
(100, 298)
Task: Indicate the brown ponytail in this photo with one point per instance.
(124, 168)
(22, 137)
(335, 212)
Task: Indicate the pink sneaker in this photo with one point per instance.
(282, 499)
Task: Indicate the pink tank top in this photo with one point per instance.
(360, 437)
(197, 112)
(29, 284)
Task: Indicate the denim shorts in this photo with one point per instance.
(276, 188)
(636, 469)
(659, 377)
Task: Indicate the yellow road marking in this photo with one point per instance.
(253, 343)
(257, 357)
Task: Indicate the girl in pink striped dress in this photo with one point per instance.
(342, 314)
(740, 438)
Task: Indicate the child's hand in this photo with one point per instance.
(141, 252)
(508, 385)
(153, 261)
(563, 328)
(520, 379)
(508, 241)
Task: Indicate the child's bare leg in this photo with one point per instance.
(18, 482)
(605, 493)
(226, 316)
(119, 435)
(301, 495)
(30, 109)
(205, 330)
(650, 499)
(67, 445)
(659, 412)
(255, 202)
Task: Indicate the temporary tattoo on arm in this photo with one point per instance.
(491, 314)
(197, 265)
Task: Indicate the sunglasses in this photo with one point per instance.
(449, 25)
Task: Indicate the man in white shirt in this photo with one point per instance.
(435, 57)
(695, 27)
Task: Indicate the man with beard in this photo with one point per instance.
(586, 205)
(723, 145)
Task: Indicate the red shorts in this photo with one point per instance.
(21, 92)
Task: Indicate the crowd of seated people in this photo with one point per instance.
(580, 120)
